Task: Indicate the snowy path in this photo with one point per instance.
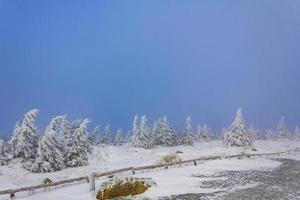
(282, 183)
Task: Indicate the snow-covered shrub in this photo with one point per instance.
(50, 151)
(163, 133)
(27, 138)
(171, 159)
(47, 181)
(141, 133)
(188, 132)
(237, 134)
(122, 187)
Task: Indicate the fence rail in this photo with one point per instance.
(134, 169)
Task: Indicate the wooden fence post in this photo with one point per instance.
(12, 196)
(92, 182)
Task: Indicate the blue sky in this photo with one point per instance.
(109, 60)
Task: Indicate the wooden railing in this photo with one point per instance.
(12, 192)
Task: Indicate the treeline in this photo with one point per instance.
(67, 143)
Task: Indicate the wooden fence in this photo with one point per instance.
(12, 192)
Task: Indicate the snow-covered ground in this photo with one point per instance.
(173, 181)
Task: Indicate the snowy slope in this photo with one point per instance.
(110, 157)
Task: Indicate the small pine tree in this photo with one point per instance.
(94, 136)
(141, 135)
(50, 152)
(119, 140)
(107, 135)
(28, 138)
(281, 130)
(3, 153)
(128, 137)
(204, 133)
(78, 155)
(237, 134)
(13, 142)
(188, 132)
(163, 133)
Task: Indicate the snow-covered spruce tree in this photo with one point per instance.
(13, 142)
(66, 137)
(281, 129)
(78, 152)
(163, 133)
(119, 139)
(94, 136)
(28, 138)
(128, 137)
(188, 132)
(135, 131)
(3, 153)
(237, 134)
(107, 135)
(50, 151)
(204, 133)
(141, 134)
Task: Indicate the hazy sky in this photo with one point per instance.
(108, 60)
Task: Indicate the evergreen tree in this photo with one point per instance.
(135, 131)
(107, 135)
(78, 153)
(13, 142)
(188, 132)
(237, 134)
(94, 136)
(128, 137)
(163, 133)
(28, 138)
(198, 133)
(204, 133)
(119, 140)
(3, 153)
(281, 130)
(141, 134)
(50, 152)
